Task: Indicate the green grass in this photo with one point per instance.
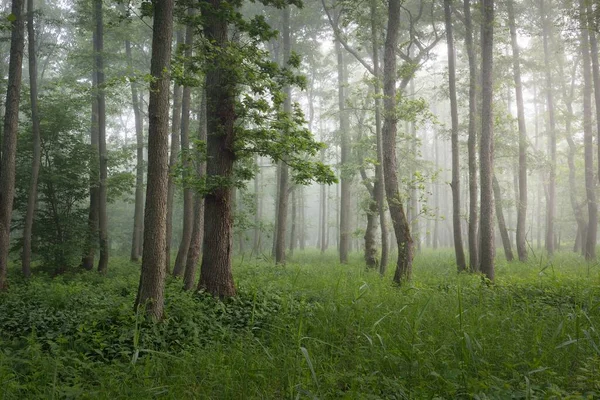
(314, 329)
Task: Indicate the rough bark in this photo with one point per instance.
(37, 144)
(152, 279)
(455, 184)
(282, 210)
(193, 256)
(486, 151)
(508, 253)
(188, 193)
(216, 276)
(175, 139)
(522, 181)
(138, 213)
(9, 142)
(399, 221)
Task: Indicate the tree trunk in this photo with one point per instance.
(175, 131)
(258, 207)
(138, 214)
(294, 221)
(592, 29)
(9, 142)
(590, 182)
(188, 193)
(37, 145)
(486, 151)
(189, 279)
(216, 276)
(508, 253)
(152, 279)
(399, 220)
(323, 222)
(522, 198)
(302, 221)
(455, 185)
(284, 170)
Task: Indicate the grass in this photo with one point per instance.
(314, 329)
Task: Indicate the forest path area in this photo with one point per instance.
(312, 329)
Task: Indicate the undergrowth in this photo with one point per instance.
(312, 329)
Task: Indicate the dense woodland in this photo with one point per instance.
(370, 199)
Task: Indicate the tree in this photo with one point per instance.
(37, 146)
(152, 279)
(9, 142)
(522, 203)
(458, 246)
(486, 151)
(389, 131)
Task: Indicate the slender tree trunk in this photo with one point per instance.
(508, 253)
(37, 144)
(216, 276)
(9, 142)
(294, 222)
(399, 220)
(152, 279)
(590, 182)
(436, 195)
(138, 214)
(302, 220)
(282, 210)
(455, 185)
(486, 151)
(188, 193)
(540, 175)
(323, 224)
(522, 197)
(193, 256)
(175, 131)
(257, 206)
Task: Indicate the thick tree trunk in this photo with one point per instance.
(590, 182)
(216, 276)
(193, 256)
(175, 138)
(399, 220)
(522, 197)
(188, 193)
(458, 245)
(152, 279)
(138, 214)
(508, 253)
(282, 210)
(486, 151)
(37, 144)
(9, 142)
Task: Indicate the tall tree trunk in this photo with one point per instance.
(551, 198)
(522, 198)
(345, 173)
(37, 144)
(486, 151)
(152, 279)
(193, 256)
(138, 214)
(590, 182)
(294, 222)
(284, 171)
(455, 185)
(540, 175)
(9, 142)
(216, 276)
(508, 253)
(175, 131)
(323, 222)
(188, 193)
(399, 220)
(592, 29)
(302, 235)
(379, 185)
(257, 206)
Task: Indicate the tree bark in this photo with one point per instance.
(9, 142)
(216, 276)
(455, 185)
(37, 144)
(486, 151)
(188, 193)
(152, 279)
(508, 253)
(138, 214)
(282, 210)
(590, 182)
(399, 220)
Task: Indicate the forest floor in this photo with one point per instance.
(312, 329)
